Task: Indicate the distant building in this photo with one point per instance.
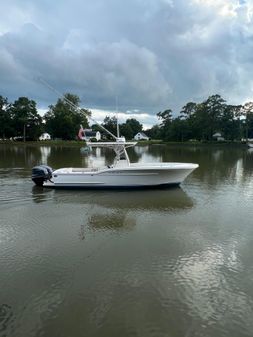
(88, 134)
(217, 136)
(45, 136)
(141, 136)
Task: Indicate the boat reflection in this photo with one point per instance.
(40, 194)
(104, 219)
(172, 199)
(117, 210)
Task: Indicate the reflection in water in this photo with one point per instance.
(41, 194)
(216, 164)
(151, 263)
(209, 292)
(111, 219)
(144, 154)
(156, 200)
(115, 209)
(45, 153)
(6, 319)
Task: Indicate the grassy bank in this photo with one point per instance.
(195, 143)
(146, 142)
(45, 143)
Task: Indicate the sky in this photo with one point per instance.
(137, 57)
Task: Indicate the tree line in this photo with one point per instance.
(21, 120)
(200, 121)
(196, 121)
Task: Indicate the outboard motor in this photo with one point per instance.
(41, 173)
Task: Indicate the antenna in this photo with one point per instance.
(117, 116)
(72, 105)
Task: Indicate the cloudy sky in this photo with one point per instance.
(149, 54)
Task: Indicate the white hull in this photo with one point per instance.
(131, 176)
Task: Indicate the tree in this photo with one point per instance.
(130, 128)
(166, 118)
(214, 107)
(63, 120)
(135, 126)
(188, 110)
(26, 120)
(110, 123)
(126, 131)
(247, 112)
(204, 118)
(230, 122)
(154, 132)
(179, 130)
(6, 128)
(188, 118)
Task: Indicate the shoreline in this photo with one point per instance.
(140, 143)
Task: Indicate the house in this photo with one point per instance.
(88, 134)
(217, 136)
(141, 136)
(45, 136)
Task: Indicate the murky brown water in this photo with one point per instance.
(174, 262)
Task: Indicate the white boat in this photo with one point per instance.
(122, 174)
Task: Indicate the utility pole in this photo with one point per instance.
(24, 131)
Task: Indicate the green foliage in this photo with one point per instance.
(63, 120)
(126, 131)
(6, 128)
(25, 120)
(130, 128)
(110, 123)
(166, 121)
(201, 120)
(154, 132)
(196, 121)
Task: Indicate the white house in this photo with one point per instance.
(141, 136)
(89, 134)
(45, 136)
(218, 136)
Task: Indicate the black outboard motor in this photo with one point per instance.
(41, 173)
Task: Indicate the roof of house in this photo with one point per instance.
(90, 133)
(217, 134)
(142, 134)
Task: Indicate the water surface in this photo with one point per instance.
(175, 262)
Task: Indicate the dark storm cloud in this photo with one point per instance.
(150, 54)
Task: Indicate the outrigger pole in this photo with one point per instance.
(72, 105)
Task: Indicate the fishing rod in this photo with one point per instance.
(74, 106)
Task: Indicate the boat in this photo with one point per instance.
(122, 174)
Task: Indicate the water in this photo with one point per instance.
(174, 262)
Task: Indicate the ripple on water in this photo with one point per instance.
(19, 191)
(6, 319)
(206, 288)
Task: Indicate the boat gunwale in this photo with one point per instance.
(131, 167)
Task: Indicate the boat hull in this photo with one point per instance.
(133, 176)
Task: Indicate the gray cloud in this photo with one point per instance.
(151, 55)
